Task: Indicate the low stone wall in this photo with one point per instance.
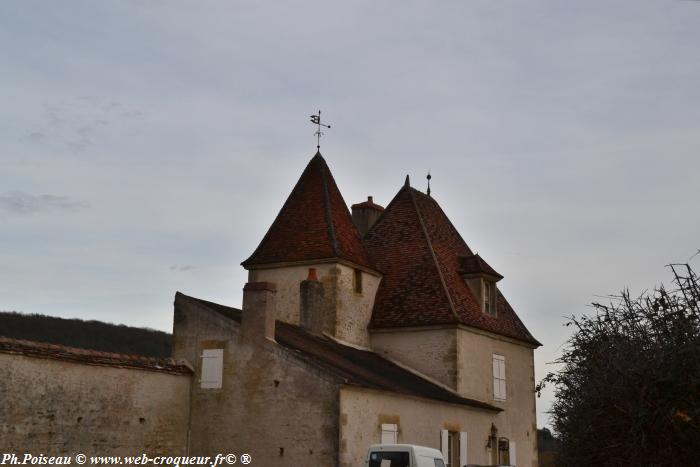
(56, 400)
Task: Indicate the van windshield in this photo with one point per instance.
(389, 459)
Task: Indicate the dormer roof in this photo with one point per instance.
(422, 258)
(474, 266)
(313, 224)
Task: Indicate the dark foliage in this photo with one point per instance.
(629, 389)
(94, 335)
(548, 447)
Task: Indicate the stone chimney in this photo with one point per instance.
(311, 303)
(258, 317)
(365, 214)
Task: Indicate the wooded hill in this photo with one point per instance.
(94, 335)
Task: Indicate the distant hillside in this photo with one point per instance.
(94, 335)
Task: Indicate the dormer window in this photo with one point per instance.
(489, 304)
(481, 279)
(489, 297)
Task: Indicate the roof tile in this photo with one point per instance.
(313, 224)
(420, 253)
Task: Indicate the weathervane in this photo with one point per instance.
(316, 120)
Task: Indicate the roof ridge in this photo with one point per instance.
(327, 206)
(432, 253)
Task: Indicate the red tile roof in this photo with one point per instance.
(91, 357)
(313, 224)
(368, 204)
(419, 252)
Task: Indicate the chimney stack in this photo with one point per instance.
(311, 303)
(258, 317)
(365, 214)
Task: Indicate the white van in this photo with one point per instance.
(403, 455)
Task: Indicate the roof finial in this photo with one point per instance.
(407, 182)
(316, 120)
(428, 177)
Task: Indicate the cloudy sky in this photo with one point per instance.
(146, 146)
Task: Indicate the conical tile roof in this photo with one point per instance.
(421, 254)
(314, 224)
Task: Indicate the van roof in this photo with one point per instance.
(418, 450)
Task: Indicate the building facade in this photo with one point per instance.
(376, 326)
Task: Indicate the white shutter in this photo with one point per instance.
(390, 433)
(462, 449)
(444, 435)
(499, 377)
(502, 375)
(511, 453)
(212, 368)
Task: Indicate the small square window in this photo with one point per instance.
(357, 280)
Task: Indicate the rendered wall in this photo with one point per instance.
(272, 405)
(362, 412)
(58, 407)
(519, 418)
(462, 359)
(432, 352)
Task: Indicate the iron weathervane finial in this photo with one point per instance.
(316, 120)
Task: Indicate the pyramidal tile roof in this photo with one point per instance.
(421, 256)
(314, 224)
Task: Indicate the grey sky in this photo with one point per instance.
(146, 146)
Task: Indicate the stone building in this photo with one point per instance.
(380, 326)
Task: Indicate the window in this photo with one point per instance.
(390, 433)
(504, 451)
(357, 280)
(489, 298)
(212, 368)
(499, 377)
(452, 449)
(389, 459)
(453, 446)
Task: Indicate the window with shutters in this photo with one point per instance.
(390, 433)
(212, 368)
(499, 377)
(453, 446)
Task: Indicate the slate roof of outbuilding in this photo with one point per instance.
(418, 250)
(313, 224)
(354, 366)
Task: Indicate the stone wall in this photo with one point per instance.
(348, 312)
(354, 309)
(57, 407)
(273, 405)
